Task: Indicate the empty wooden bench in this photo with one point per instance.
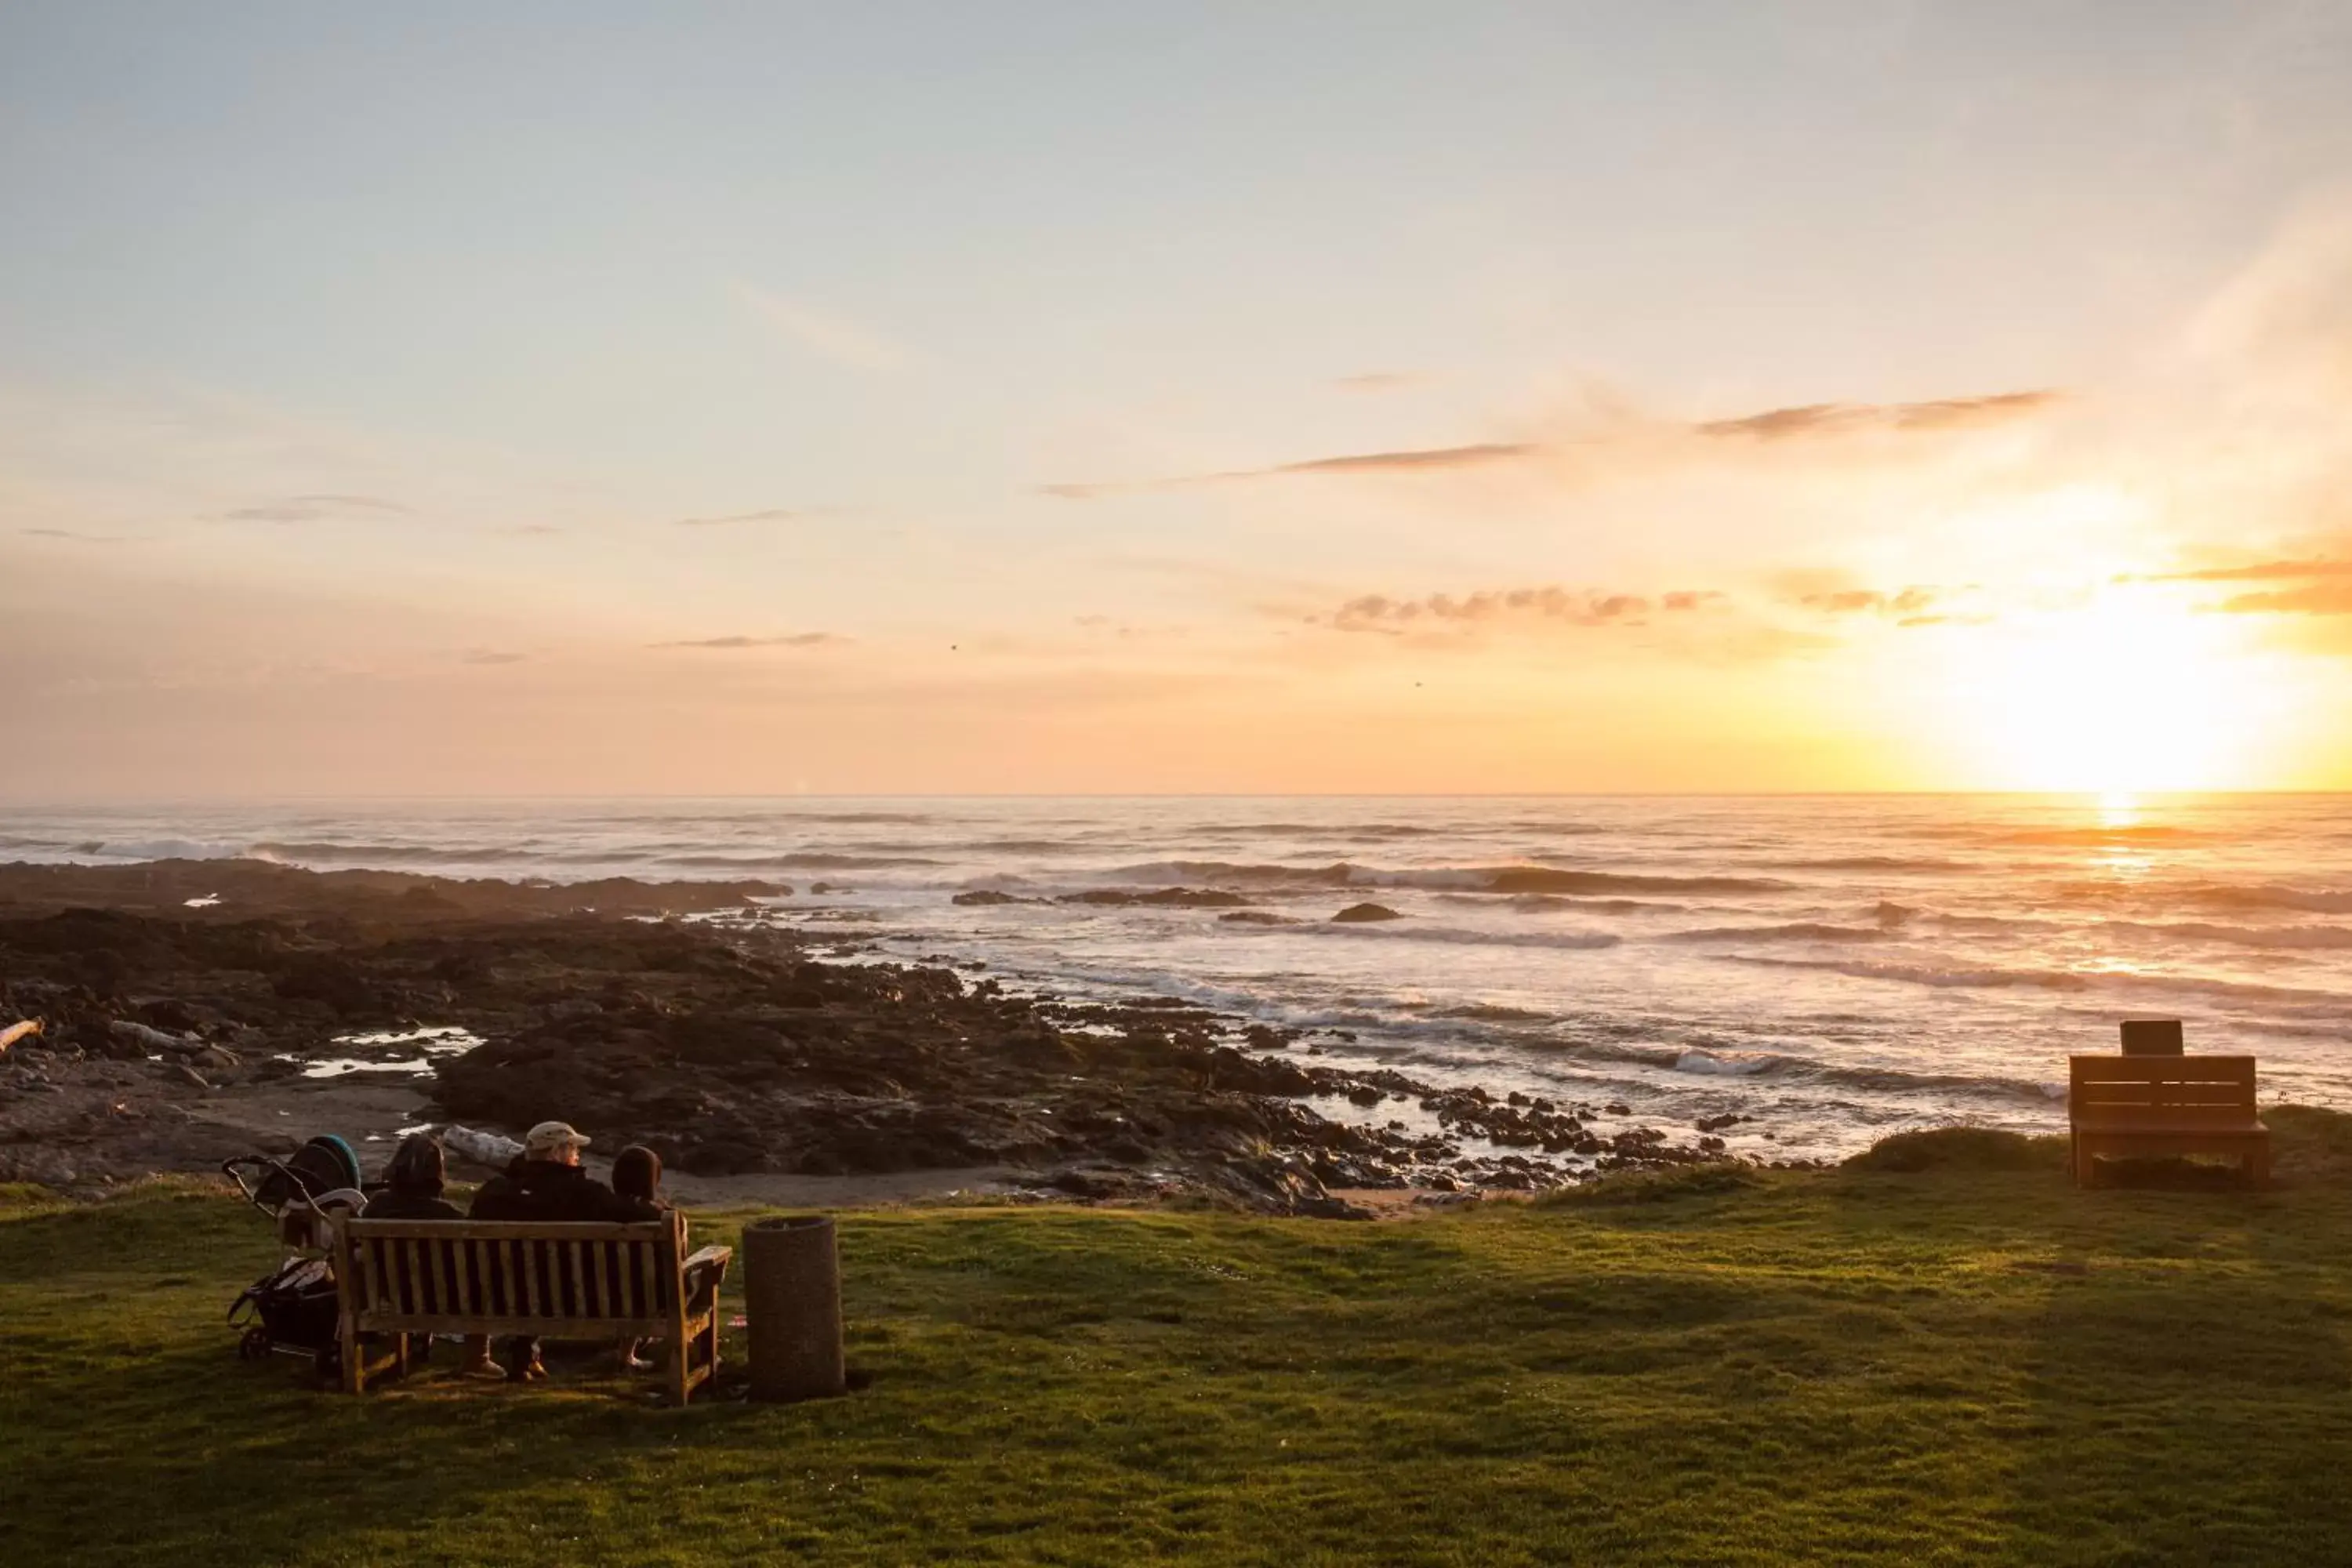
(584, 1281)
(2166, 1105)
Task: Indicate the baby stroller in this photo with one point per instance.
(292, 1307)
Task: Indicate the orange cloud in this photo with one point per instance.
(2262, 572)
(2318, 599)
(770, 514)
(1420, 460)
(1912, 601)
(1774, 425)
(317, 508)
(1843, 418)
(795, 639)
(1378, 613)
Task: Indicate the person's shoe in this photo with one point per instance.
(532, 1370)
(481, 1366)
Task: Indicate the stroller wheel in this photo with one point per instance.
(254, 1344)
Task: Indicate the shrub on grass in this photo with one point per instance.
(1961, 1149)
(25, 1195)
(1657, 1186)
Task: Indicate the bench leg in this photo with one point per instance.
(701, 1351)
(353, 1354)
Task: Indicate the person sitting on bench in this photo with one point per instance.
(637, 1179)
(417, 1176)
(547, 1184)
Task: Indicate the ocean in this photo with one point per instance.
(1833, 968)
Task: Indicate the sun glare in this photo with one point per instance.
(2132, 693)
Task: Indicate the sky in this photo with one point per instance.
(584, 398)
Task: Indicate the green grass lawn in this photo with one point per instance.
(1956, 1364)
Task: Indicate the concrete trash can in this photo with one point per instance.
(792, 1303)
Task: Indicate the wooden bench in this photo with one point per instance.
(2166, 1105)
(394, 1278)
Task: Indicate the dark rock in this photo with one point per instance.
(1161, 897)
(730, 1049)
(1358, 914)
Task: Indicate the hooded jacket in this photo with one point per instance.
(415, 1175)
(545, 1190)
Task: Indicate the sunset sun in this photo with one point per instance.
(2131, 693)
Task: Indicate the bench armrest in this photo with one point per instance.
(700, 1274)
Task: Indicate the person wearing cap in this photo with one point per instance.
(547, 1183)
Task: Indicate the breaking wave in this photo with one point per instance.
(1784, 1068)
(1997, 977)
(1871, 863)
(1513, 880)
(1801, 930)
(1398, 931)
(1544, 903)
(2271, 896)
(388, 855)
(801, 860)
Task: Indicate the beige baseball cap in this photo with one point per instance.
(549, 1136)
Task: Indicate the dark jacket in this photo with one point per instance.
(409, 1206)
(543, 1190)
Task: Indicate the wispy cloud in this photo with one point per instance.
(1582, 607)
(1417, 460)
(1813, 419)
(317, 508)
(795, 639)
(490, 656)
(771, 514)
(1641, 440)
(78, 538)
(2317, 599)
(1912, 601)
(825, 335)
(2262, 572)
(1380, 381)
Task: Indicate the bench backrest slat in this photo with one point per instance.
(449, 1291)
(505, 1276)
(2186, 1089)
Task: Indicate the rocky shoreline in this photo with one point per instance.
(734, 1048)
